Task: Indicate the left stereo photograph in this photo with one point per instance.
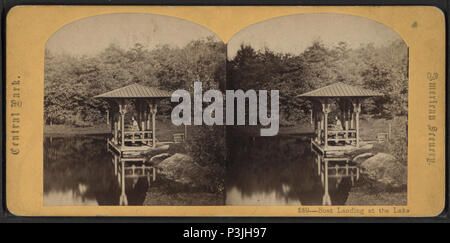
(108, 137)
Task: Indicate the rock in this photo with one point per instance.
(181, 168)
(162, 147)
(385, 169)
(361, 157)
(158, 158)
(155, 151)
(366, 147)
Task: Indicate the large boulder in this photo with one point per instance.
(163, 148)
(385, 169)
(361, 157)
(155, 160)
(181, 168)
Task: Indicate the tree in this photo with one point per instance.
(72, 82)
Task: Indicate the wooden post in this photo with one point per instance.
(357, 129)
(148, 118)
(322, 179)
(352, 122)
(149, 124)
(143, 123)
(141, 117)
(138, 114)
(116, 127)
(313, 114)
(325, 117)
(107, 116)
(122, 110)
(114, 120)
(326, 197)
(118, 122)
(154, 125)
(153, 110)
(347, 121)
(119, 180)
(321, 127)
(325, 111)
(148, 121)
(318, 124)
(342, 120)
(357, 110)
(123, 196)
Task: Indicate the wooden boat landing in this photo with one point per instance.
(120, 148)
(332, 150)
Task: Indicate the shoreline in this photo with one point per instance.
(369, 126)
(64, 130)
(363, 196)
(165, 192)
(164, 130)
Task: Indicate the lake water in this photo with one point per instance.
(261, 171)
(277, 170)
(79, 171)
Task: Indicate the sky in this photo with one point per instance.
(91, 35)
(294, 33)
(287, 34)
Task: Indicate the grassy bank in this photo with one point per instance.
(164, 130)
(364, 194)
(164, 192)
(67, 130)
(369, 128)
(360, 198)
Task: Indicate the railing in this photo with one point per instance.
(341, 135)
(145, 137)
(348, 136)
(136, 136)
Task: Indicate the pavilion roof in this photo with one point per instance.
(135, 91)
(340, 90)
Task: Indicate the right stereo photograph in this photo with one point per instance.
(343, 113)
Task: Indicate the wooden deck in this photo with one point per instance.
(334, 161)
(138, 149)
(131, 162)
(118, 148)
(333, 148)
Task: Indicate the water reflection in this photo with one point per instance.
(261, 171)
(78, 171)
(276, 170)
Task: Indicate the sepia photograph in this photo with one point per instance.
(108, 136)
(225, 114)
(343, 113)
(306, 109)
(207, 116)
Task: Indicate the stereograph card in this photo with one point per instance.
(225, 111)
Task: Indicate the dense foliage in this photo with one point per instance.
(384, 69)
(72, 82)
